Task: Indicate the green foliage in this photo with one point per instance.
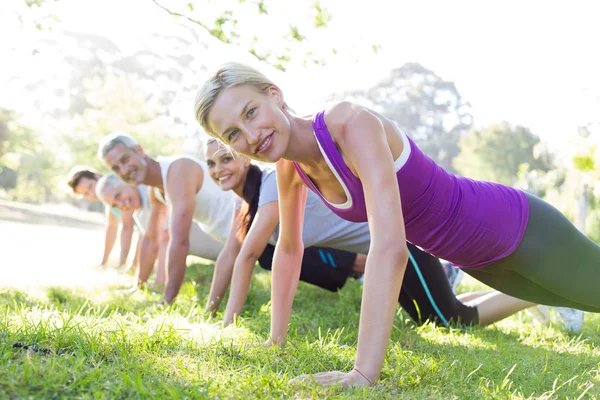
(496, 153)
(32, 3)
(295, 34)
(71, 343)
(41, 19)
(42, 160)
(224, 24)
(130, 110)
(592, 225)
(14, 136)
(539, 182)
(4, 131)
(584, 163)
(30, 155)
(322, 17)
(262, 8)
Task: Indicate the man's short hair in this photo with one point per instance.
(115, 138)
(79, 172)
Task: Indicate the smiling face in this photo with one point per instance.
(123, 197)
(129, 164)
(227, 170)
(251, 122)
(86, 187)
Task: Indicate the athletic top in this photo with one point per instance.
(469, 223)
(141, 216)
(213, 210)
(159, 196)
(321, 226)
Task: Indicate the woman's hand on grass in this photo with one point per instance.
(346, 379)
(271, 343)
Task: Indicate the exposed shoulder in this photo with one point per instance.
(342, 115)
(286, 174)
(184, 171)
(184, 165)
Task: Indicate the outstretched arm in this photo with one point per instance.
(184, 179)
(136, 259)
(110, 237)
(161, 265)
(151, 238)
(287, 260)
(262, 228)
(127, 225)
(362, 139)
(224, 267)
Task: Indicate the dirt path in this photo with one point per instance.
(52, 245)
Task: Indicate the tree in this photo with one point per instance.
(4, 131)
(29, 157)
(236, 22)
(583, 162)
(428, 108)
(131, 110)
(496, 153)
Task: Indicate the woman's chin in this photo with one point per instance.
(225, 186)
(271, 156)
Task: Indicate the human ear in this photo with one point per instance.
(276, 95)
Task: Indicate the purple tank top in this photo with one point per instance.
(469, 223)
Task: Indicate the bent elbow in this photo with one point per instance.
(290, 245)
(393, 253)
(181, 241)
(247, 257)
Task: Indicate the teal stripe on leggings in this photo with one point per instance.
(429, 296)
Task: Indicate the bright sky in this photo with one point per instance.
(528, 62)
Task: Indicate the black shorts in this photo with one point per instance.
(321, 266)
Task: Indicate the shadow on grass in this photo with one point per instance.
(74, 301)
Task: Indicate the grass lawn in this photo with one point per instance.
(70, 343)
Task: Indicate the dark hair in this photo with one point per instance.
(77, 176)
(251, 193)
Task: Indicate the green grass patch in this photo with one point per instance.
(69, 343)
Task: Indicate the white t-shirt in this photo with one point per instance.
(321, 226)
(213, 210)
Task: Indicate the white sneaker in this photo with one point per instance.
(540, 314)
(454, 275)
(571, 318)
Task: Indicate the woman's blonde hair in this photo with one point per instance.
(227, 76)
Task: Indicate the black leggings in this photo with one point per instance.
(425, 293)
(555, 264)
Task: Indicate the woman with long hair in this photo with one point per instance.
(365, 168)
(426, 293)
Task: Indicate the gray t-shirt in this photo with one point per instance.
(321, 226)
